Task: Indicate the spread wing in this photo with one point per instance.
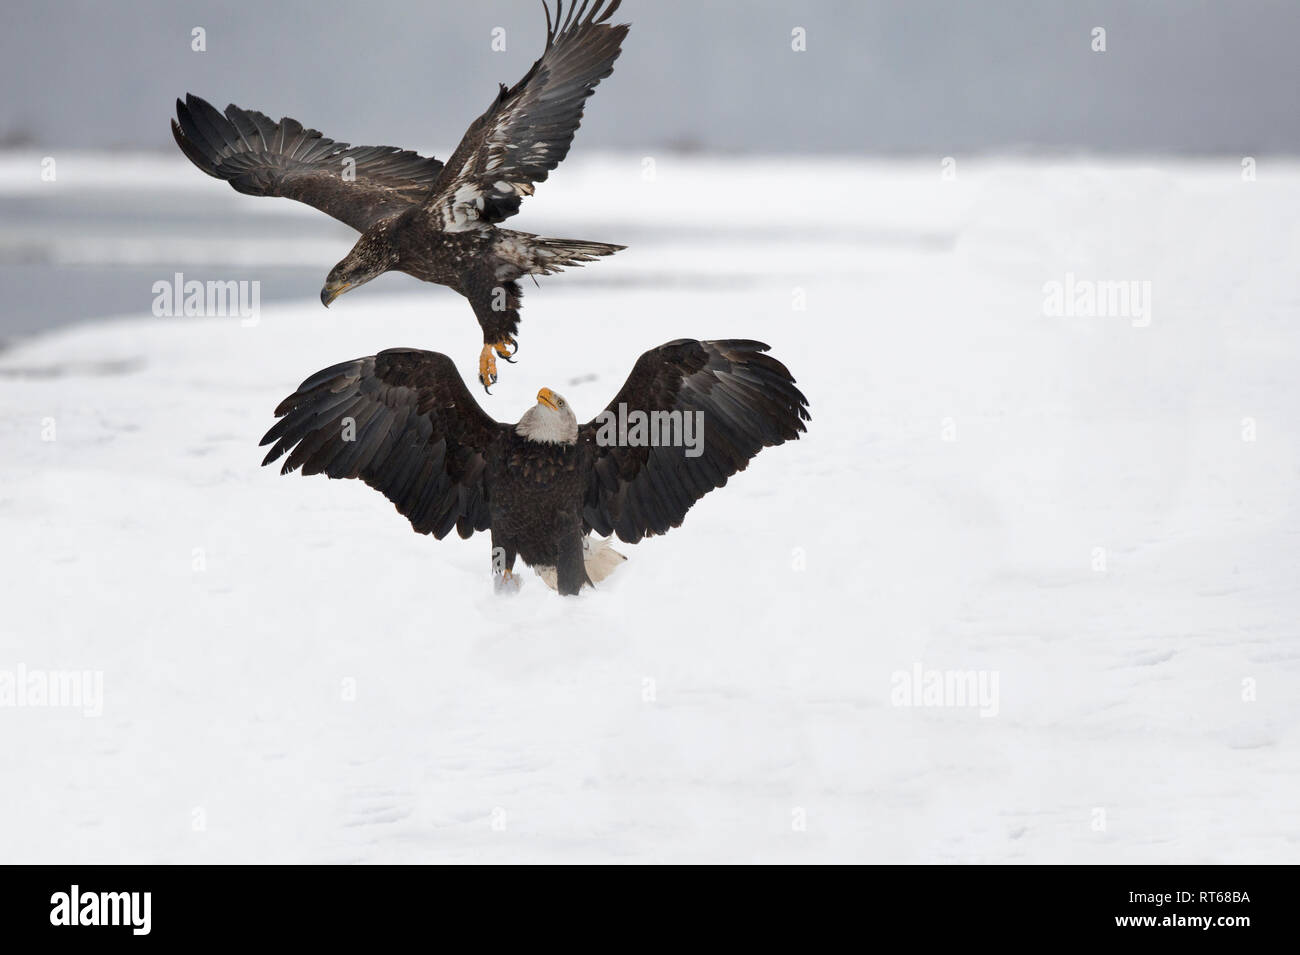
(746, 401)
(403, 422)
(527, 131)
(358, 185)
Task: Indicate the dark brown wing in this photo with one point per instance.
(527, 131)
(747, 401)
(358, 185)
(403, 422)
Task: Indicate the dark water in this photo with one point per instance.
(41, 296)
(68, 259)
(95, 254)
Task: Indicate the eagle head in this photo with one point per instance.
(550, 421)
(372, 256)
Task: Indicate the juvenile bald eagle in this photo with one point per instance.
(415, 215)
(690, 415)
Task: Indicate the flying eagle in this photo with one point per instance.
(416, 215)
(404, 422)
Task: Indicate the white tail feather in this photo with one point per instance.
(599, 558)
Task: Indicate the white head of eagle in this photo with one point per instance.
(550, 421)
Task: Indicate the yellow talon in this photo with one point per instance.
(487, 359)
(487, 367)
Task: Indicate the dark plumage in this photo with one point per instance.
(404, 422)
(416, 215)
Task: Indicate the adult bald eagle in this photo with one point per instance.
(690, 415)
(416, 215)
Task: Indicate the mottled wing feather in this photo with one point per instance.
(748, 401)
(403, 422)
(358, 185)
(528, 129)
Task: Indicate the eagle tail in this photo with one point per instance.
(599, 560)
(551, 255)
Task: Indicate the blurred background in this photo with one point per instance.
(898, 76)
(92, 86)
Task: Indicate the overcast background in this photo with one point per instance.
(900, 76)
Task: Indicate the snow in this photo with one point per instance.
(1098, 514)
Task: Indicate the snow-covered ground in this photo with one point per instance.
(1095, 516)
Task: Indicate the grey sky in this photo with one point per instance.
(910, 76)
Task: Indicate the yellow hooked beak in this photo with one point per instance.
(331, 291)
(547, 397)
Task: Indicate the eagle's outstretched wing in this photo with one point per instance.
(527, 130)
(403, 422)
(747, 401)
(358, 185)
